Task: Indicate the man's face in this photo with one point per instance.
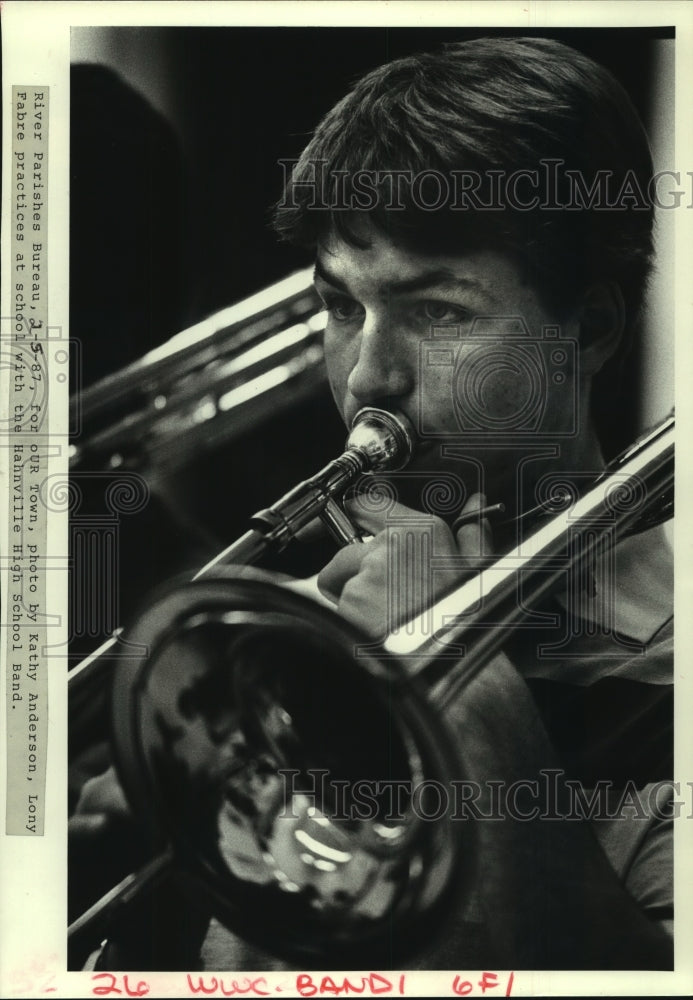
(383, 303)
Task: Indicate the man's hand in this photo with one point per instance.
(104, 843)
(547, 892)
(160, 928)
(101, 803)
(390, 579)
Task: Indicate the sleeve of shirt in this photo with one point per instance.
(638, 841)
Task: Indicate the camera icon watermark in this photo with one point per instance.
(500, 380)
(37, 363)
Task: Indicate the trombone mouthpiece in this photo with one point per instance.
(387, 440)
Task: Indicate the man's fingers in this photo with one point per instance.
(361, 514)
(474, 537)
(89, 825)
(103, 795)
(360, 511)
(346, 563)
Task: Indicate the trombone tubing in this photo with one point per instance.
(645, 474)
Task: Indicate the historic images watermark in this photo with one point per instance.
(550, 187)
(550, 796)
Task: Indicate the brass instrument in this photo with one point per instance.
(207, 384)
(252, 716)
(195, 394)
(247, 718)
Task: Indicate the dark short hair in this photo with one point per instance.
(477, 107)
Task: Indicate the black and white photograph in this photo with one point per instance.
(355, 444)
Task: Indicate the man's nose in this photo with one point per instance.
(383, 367)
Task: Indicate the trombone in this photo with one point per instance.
(229, 723)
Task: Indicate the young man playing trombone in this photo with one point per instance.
(482, 225)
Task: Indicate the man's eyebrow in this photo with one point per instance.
(320, 271)
(435, 278)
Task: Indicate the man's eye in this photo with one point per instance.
(342, 310)
(442, 312)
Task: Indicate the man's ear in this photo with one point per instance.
(602, 317)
